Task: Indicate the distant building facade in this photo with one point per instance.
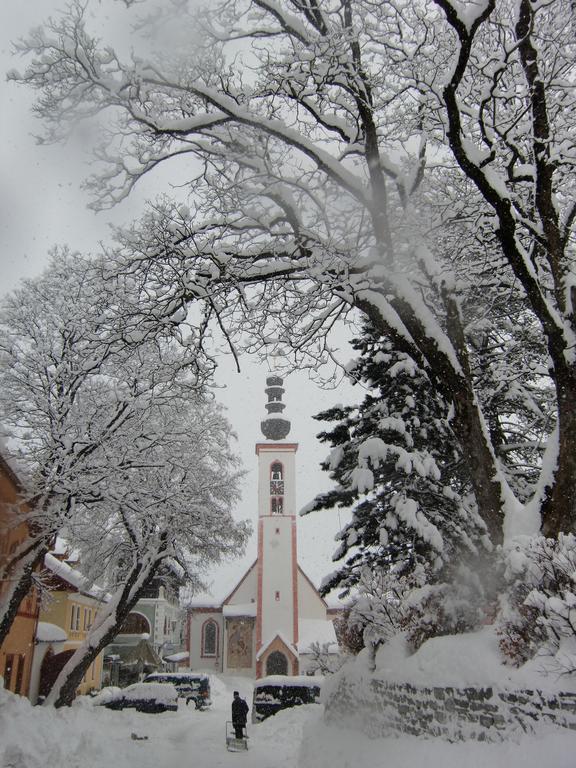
(152, 637)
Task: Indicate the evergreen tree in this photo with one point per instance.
(394, 460)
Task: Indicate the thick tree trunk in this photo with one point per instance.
(472, 431)
(480, 462)
(455, 382)
(559, 504)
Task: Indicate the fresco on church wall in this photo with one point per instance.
(239, 643)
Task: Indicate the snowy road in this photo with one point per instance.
(197, 739)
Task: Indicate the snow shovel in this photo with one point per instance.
(232, 743)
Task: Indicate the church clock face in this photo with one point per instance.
(276, 487)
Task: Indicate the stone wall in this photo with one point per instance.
(379, 708)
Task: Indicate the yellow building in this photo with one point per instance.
(68, 612)
(18, 648)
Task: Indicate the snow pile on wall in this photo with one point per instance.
(453, 687)
(50, 633)
(473, 658)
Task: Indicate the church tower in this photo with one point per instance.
(277, 565)
(273, 616)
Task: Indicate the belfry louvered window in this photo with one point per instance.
(276, 479)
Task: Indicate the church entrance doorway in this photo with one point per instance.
(276, 664)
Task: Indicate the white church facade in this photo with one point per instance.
(269, 620)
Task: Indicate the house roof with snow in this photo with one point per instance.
(74, 578)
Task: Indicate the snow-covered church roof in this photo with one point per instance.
(316, 631)
(243, 609)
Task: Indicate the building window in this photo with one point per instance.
(8, 667)
(210, 638)
(14, 672)
(277, 505)
(277, 596)
(19, 673)
(75, 618)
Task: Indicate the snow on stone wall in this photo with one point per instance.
(379, 708)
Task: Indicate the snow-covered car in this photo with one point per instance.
(143, 697)
(276, 692)
(192, 686)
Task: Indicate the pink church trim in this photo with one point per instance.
(294, 583)
(267, 447)
(260, 562)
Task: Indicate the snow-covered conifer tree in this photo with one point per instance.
(396, 462)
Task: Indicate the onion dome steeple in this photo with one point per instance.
(274, 427)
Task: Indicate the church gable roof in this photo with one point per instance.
(310, 583)
(251, 569)
(316, 631)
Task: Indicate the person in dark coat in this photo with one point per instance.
(239, 713)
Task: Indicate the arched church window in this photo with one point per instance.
(210, 638)
(276, 479)
(276, 664)
(277, 505)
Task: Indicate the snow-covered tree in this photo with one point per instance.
(538, 616)
(99, 424)
(171, 507)
(60, 409)
(313, 124)
(396, 462)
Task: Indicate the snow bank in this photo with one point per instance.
(38, 737)
(472, 659)
(85, 736)
(325, 746)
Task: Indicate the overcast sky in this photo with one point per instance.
(42, 204)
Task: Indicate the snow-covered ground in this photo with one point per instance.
(85, 736)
